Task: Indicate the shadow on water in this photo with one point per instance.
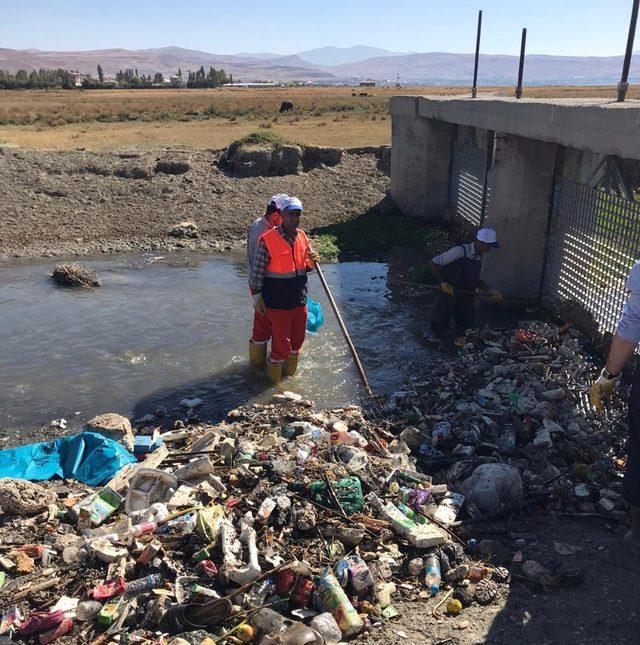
(221, 392)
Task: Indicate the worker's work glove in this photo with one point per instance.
(446, 288)
(602, 388)
(314, 256)
(258, 304)
(495, 295)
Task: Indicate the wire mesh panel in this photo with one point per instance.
(594, 240)
(466, 190)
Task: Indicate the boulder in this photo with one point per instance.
(185, 229)
(315, 155)
(114, 426)
(75, 275)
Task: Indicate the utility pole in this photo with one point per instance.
(623, 85)
(474, 89)
(523, 46)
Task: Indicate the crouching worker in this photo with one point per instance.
(278, 283)
(261, 326)
(459, 268)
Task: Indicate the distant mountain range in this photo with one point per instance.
(333, 65)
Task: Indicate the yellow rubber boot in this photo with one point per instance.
(258, 354)
(290, 365)
(274, 371)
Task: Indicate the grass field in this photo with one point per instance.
(211, 118)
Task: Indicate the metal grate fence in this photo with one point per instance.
(594, 240)
(468, 177)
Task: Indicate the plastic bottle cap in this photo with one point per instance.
(434, 589)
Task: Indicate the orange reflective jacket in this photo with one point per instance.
(285, 278)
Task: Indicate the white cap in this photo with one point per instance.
(488, 236)
(277, 200)
(291, 204)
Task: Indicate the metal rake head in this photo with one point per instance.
(375, 407)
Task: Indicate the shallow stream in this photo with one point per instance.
(163, 328)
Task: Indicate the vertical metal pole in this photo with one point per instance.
(523, 46)
(623, 85)
(474, 89)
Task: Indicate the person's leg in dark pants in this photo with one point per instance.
(442, 312)
(464, 310)
(631, 484)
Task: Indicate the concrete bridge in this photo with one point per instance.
(556, 178)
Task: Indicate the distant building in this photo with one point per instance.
(77, 77)
(253, 84)
(177, 81)
(367, 83)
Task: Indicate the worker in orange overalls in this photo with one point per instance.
(261, 326)
(279, 283)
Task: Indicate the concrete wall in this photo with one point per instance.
(521, 185)
(598, 125)
(420, 161)
(529, 135)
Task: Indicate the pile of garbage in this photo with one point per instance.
(288, 525)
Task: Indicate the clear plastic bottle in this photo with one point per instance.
(260, 591)
(432, 577)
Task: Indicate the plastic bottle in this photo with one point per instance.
(143, 528)
(260, 591)
(143, 584)
(423, 536)
(335, 600)
(432, 573)
(411, 514)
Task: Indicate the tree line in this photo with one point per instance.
(37, 79)
(128, 79)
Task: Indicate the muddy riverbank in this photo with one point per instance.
(81, 202)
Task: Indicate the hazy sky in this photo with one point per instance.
(579, 27)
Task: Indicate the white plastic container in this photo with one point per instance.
(149, 486)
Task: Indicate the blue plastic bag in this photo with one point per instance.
(88, 457)
(315, 317)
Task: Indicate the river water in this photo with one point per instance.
(163, 328)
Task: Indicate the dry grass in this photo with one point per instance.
(215, 133)
(211, 118)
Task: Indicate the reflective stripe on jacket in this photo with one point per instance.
(285, 278)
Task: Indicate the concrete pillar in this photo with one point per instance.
(520, 184)
(420, 160)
